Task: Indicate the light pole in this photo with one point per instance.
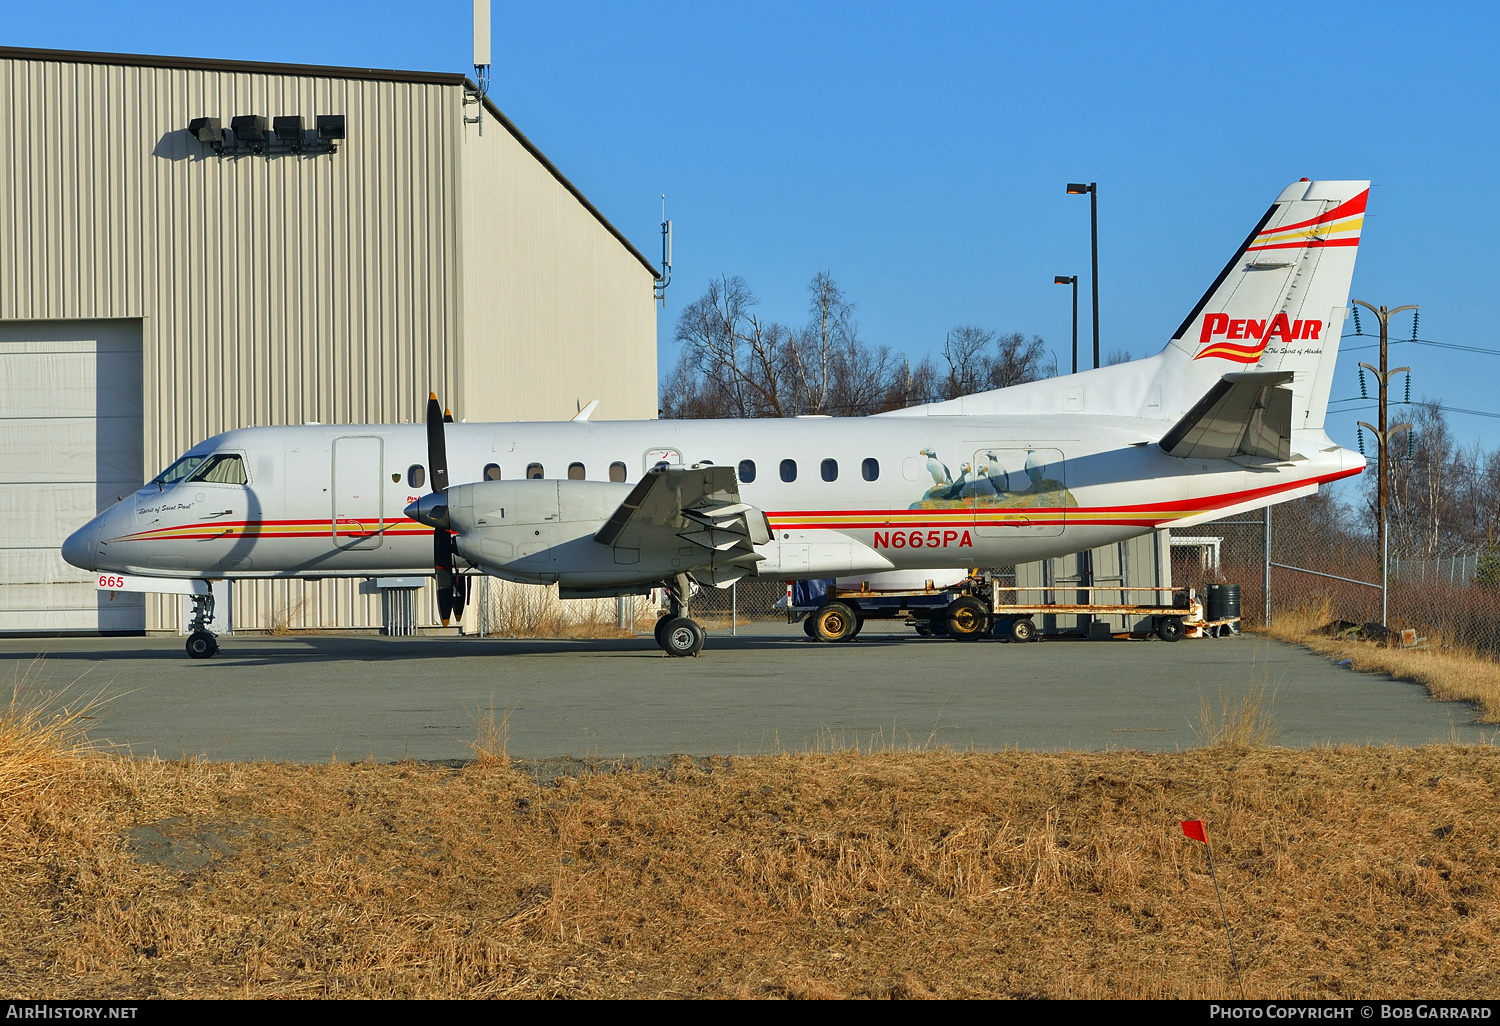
(1063, 279)
(1078, 189)
(1382, 437)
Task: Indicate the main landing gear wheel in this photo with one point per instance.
(967, 619)
(834, 622)
(1022, 629)
(682, 637)
(661, 624)
(201, 645)
(1170, 628)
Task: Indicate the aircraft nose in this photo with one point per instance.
(431, 509)
(82, 547)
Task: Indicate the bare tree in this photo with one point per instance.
(1017, 361)
(734, 363)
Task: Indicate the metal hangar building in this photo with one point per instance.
(189, 246)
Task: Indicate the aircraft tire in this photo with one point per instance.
(1170, 628)
(661, 623)
(1022, 629)
(967, 619)
(682, 637)
(201, 645)
(834, 622)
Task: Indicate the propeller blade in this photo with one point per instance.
(442, 562)
(437, 445)
(442, 541)
(460, 595)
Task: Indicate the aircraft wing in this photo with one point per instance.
(1245, 416)
(696, 508)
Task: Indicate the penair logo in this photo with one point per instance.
(1256, 335)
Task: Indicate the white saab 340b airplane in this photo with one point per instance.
(1227, 418)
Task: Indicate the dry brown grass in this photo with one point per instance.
(1347, 872)
(533, 611)
(284, 617)
(42, 726)
(1450, 672)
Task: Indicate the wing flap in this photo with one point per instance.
(699, 505)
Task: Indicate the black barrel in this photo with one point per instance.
(1223, 601)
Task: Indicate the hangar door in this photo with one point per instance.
(70, 445)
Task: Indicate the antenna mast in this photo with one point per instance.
(481, 61)
(665, 277)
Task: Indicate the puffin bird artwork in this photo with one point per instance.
(1036, 469)
(978, 485)
(999, 479)
(940, 476)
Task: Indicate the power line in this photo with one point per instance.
(1431, 406)
(1418, 341)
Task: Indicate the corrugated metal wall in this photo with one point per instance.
(286, 288)
(526, 237)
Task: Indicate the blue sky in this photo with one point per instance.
(920, 153)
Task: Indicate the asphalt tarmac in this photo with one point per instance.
(316, 698)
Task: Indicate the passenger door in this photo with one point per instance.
(358, 492)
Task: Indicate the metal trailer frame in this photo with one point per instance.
(1184, 608)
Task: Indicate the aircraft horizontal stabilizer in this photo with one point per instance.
(1245, 416)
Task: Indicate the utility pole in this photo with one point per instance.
(1382, 437)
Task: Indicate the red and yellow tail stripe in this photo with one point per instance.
(1337, 227)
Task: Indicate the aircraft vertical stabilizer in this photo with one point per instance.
(1280, 303)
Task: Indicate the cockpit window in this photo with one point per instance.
(177, 471)
(221, 468)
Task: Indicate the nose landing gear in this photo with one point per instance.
(201, 643)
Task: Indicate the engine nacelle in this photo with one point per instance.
(533, 530)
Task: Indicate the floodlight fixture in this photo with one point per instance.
(208, 132)
(330, 127)
(289, 131)
(250, 129)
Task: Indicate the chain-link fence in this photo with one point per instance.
(746, 601)
(1319, 559)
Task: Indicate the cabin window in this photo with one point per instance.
(534, 472)
(617, 472)
(222, 468)
(416, 475)
(830, 470)
(747, 471)
(575, 471)
(492, 471)
(789, 471)
(870, 469)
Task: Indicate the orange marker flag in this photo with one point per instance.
(1193, 830)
